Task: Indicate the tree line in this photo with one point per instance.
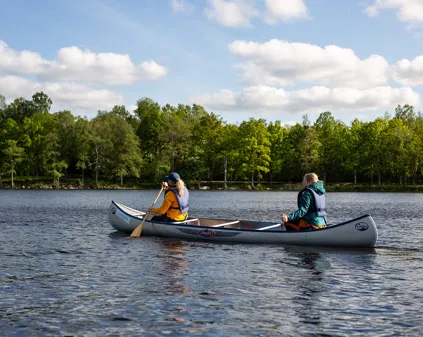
(153, 140)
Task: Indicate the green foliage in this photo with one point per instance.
(278, 149)
(152, 126)
(118, 148)
(310, 149)
(255, 148)
(42, 102)
(207, 139)
(14, 155)
(3, 104)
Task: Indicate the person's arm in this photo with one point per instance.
(165, 204)
(305, 201)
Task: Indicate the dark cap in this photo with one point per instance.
(173, 177)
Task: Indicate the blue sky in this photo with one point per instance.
(271, 59)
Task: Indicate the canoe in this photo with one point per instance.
(358, 232)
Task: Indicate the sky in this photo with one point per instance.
(241, 59)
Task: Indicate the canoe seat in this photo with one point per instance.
(226, 223)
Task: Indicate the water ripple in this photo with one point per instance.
(65, 272)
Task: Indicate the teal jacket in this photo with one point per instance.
(307, 209)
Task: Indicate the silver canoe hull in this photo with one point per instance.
(358, 232)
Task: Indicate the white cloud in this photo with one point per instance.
(181, 6)
(409, 72)
(131, 108)
(285, 10)
(407, 10)
(78, 98)
(75, 64)
(239, 13)
(232, 13)
(283, 63)
(264, 99)
(178, 5)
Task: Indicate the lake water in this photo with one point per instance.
(65, 272)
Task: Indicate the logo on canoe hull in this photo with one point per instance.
(361, 226)
(207, 233)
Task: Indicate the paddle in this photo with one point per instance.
(136, 233)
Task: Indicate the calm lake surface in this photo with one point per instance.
(64, 271)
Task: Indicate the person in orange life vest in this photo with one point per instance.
(311, 212)
(175, 203)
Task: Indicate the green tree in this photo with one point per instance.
(82, 145)
(114, 147)
(41, 102)
(231, 151)
(20, 109)
(36, 129)
(176, 139)
(309, 151)
(152, 126)
(10, 131)
(120, 110)
(325, 127)
(3, 104)
(332, 136)
(255, 148)
(207, 141)
(278, 149)
(292, 164)
(398, 143)
(126, 160)
(151, 132)
(412, 141)
(101, 145)
(14, 155)
(53, 164)
(374, 152)
(354, 147)
(406, 114)
(64, 126)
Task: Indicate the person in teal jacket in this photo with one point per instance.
(311, 212)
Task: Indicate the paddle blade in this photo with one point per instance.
(136, 233)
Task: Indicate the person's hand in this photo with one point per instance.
(165, 185)
(284, 217)
(149, 209)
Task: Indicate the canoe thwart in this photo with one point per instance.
(226, 223)
(269, 227)
(191, 220)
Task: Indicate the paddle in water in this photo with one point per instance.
(136, 233)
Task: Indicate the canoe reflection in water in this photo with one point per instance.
(311, 287)
(316, 279)
(176, 265)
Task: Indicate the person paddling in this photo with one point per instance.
(311, 212)
(175, 203)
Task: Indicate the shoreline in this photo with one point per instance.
(194, 186)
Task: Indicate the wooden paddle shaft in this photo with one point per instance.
(137, 231)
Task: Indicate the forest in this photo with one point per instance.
(134, 149)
